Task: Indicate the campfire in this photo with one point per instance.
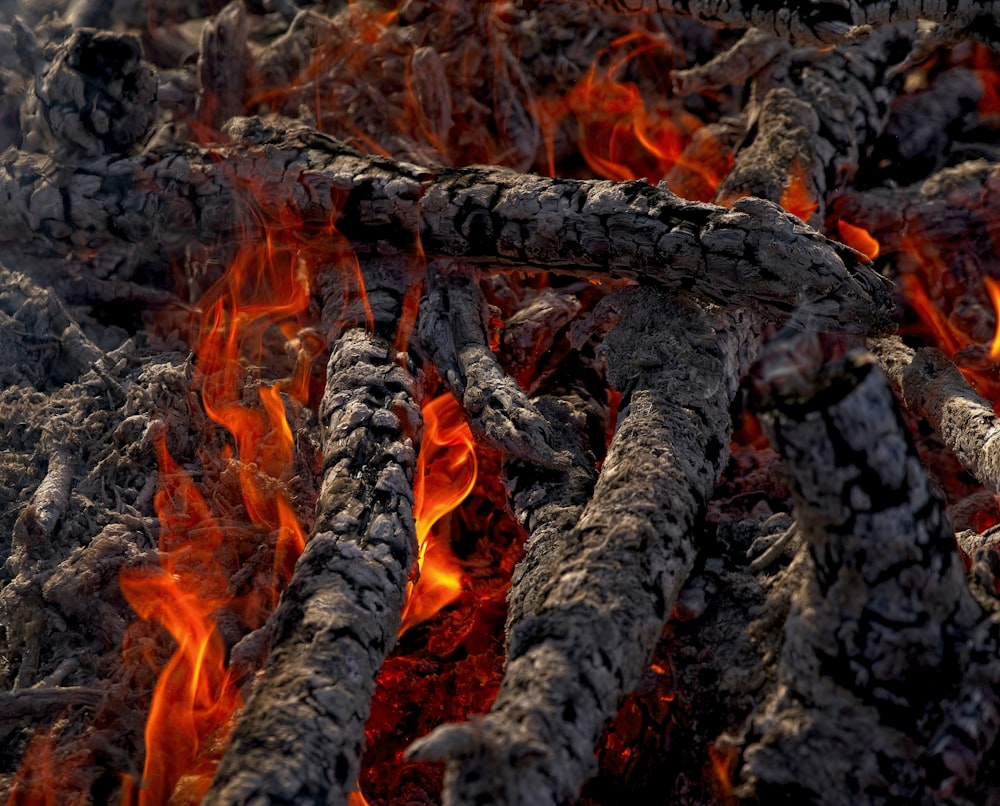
(461, 402)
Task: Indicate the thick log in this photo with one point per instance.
(884, 649)
(585, 640)
(754, 255)
(301, 735)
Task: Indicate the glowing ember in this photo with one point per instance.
(445, 475)
(858, 238)
(798, 199)
(984, 62)
(37, 778)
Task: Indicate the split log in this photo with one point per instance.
(586, 638)
(884, 632)
(754, 255)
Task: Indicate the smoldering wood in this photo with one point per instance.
(884, 630)
(753, 255)
(945, 208)
(302, 733)
(611, 582)
(933, 387)
(549, 501)
(813, 115)
(452, 327)
(430, 104)
(222, 66)
(94, 96)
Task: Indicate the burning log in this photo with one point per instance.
(933, 387)
(123, 189)
(753, 255)
(302, 732)
(605, 591)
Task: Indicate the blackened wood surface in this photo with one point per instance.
(883, 631)
(452, 328)
(754, 255)
(827, 21)
(585, 640)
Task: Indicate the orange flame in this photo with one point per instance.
(265, 289)
(858, 238)
(993, 289)
(620, 137)
(798, 198)
(445, 475)
(39, 775)
(195, 695)
(931, 288)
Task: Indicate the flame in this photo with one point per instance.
(264, 292)
(195, 695)
(620, 137)
(993, 289)
(858, 238)
(38, 778)
(445, 475)
(798, 198)
(932, 287)
(723, 761)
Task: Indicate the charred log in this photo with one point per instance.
(932, 386)
(613, 580)
(302, 732)
(753, 255)
(884, 631)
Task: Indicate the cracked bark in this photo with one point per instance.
(618, 572)
(806, 22)
(933, 387)
(301, 735)
(883, 630)
(754, 255)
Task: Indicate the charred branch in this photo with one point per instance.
(612, 581)
(932, 386)
(453, 328)
(754, 255)
(302, 733)
(884, 631)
